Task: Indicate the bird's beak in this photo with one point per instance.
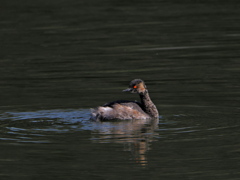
(127, 90)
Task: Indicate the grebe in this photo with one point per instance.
(128, 110)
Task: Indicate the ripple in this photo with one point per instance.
(38, 126)
(66, 114)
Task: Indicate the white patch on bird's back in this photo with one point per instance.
(105, 109)
(101, 113)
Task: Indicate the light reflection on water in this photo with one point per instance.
(29, 127)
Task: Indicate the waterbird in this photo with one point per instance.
(128, 110)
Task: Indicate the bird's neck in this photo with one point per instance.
(148, 105)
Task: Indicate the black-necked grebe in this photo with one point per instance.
(127, 110)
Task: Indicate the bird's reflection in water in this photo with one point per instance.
(136, 135)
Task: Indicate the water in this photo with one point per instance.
(59, 59)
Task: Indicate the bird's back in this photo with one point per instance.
(121, 110)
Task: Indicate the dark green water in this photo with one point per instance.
(58, 59)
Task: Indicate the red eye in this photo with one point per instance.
(134, 87)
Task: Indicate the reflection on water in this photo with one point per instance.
(35, 127)
(135, 135)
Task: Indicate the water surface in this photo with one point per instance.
(58, 59)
